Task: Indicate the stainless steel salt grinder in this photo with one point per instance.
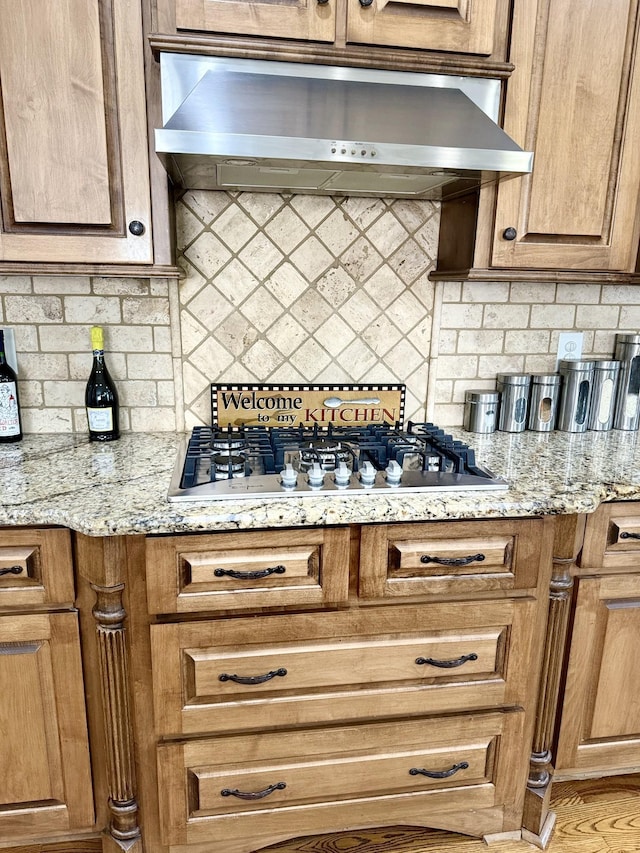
(543, 402)
(514, 401)
(575, 395)
(603, 394)
(481, 410)
(627, 412)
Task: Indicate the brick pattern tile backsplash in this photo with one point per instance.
(51, 317)
(293, 289)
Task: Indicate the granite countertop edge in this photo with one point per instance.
(121, 488)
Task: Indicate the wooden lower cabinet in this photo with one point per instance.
(45, 773)
(357, 687)
(599, 731)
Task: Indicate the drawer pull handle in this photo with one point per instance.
(447, 664)
(439, 774)
(626, 535)
(11, 570)
(250, 576)
(253, 795)
(253, 679)
(453, 561)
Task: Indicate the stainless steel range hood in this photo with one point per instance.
(242, 124)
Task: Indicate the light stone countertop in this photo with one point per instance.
(121, 487)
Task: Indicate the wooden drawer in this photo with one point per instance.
(453, 557)
(399, 769)
(274, 568)
(260, 672)
(35, 568)
(612, 538)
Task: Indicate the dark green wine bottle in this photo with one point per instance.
(101, 397)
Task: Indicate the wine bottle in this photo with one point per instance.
(10, 424)
(101, 397)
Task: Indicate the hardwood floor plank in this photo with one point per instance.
(594, 816)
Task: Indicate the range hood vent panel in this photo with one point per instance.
(244, 114)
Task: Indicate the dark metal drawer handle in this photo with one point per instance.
(252, 679)
(250, 576)
(12, 570)
(439, 774)
(447, 664)
(253, 795)
(453, 561)
(626, 535)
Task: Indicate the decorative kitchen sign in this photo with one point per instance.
(236, 406)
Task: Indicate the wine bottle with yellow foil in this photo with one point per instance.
(101, 397)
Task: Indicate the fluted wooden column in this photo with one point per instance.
(538, 819)
(109, 614)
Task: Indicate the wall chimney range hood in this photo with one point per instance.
(245, 124)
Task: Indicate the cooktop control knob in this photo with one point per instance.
(367, 474)
(316, 476)
(289, 477)
(342, 475)
(394, 473)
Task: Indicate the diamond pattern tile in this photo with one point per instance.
(305, 289)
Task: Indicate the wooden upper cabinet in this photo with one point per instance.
(299, 19)
(462, 26)
(74, 163)
(476, 27)
(573, 99)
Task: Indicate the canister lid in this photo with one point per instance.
(569, 364)
(605, 364)
(484, 396)
(628, 338)
(545, 378)
(513, 378)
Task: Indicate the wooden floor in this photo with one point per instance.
(593, 816)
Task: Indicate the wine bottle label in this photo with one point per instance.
(9, 414)
(100, 420)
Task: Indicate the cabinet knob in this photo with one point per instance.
(136, 227)
(509, 233)
(322, 2)
(365, 3)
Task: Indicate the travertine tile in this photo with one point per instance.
(310, 359)
(553, 316)
(311, 259)
(336, 286)
(287, 230)
(337, 232)
(334, 335)
(262, 310)
(261, 359)
(149, 366)
(261, 256)
(208, 254)
(33, 309)
(153, 310)
(236, 335)
(235, 228)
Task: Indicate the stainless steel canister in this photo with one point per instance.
(575, 395)
(481, 410)
(603, 394)
(543, 402)
(627, 412)
(514, 401)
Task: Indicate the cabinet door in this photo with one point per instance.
(45, 785)
(452, 25)
(314, 20)
(74, 164)
(573, 99)
(600, 725)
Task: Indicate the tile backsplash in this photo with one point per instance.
(293, 289)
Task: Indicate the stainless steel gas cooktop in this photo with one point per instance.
(222, 463)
